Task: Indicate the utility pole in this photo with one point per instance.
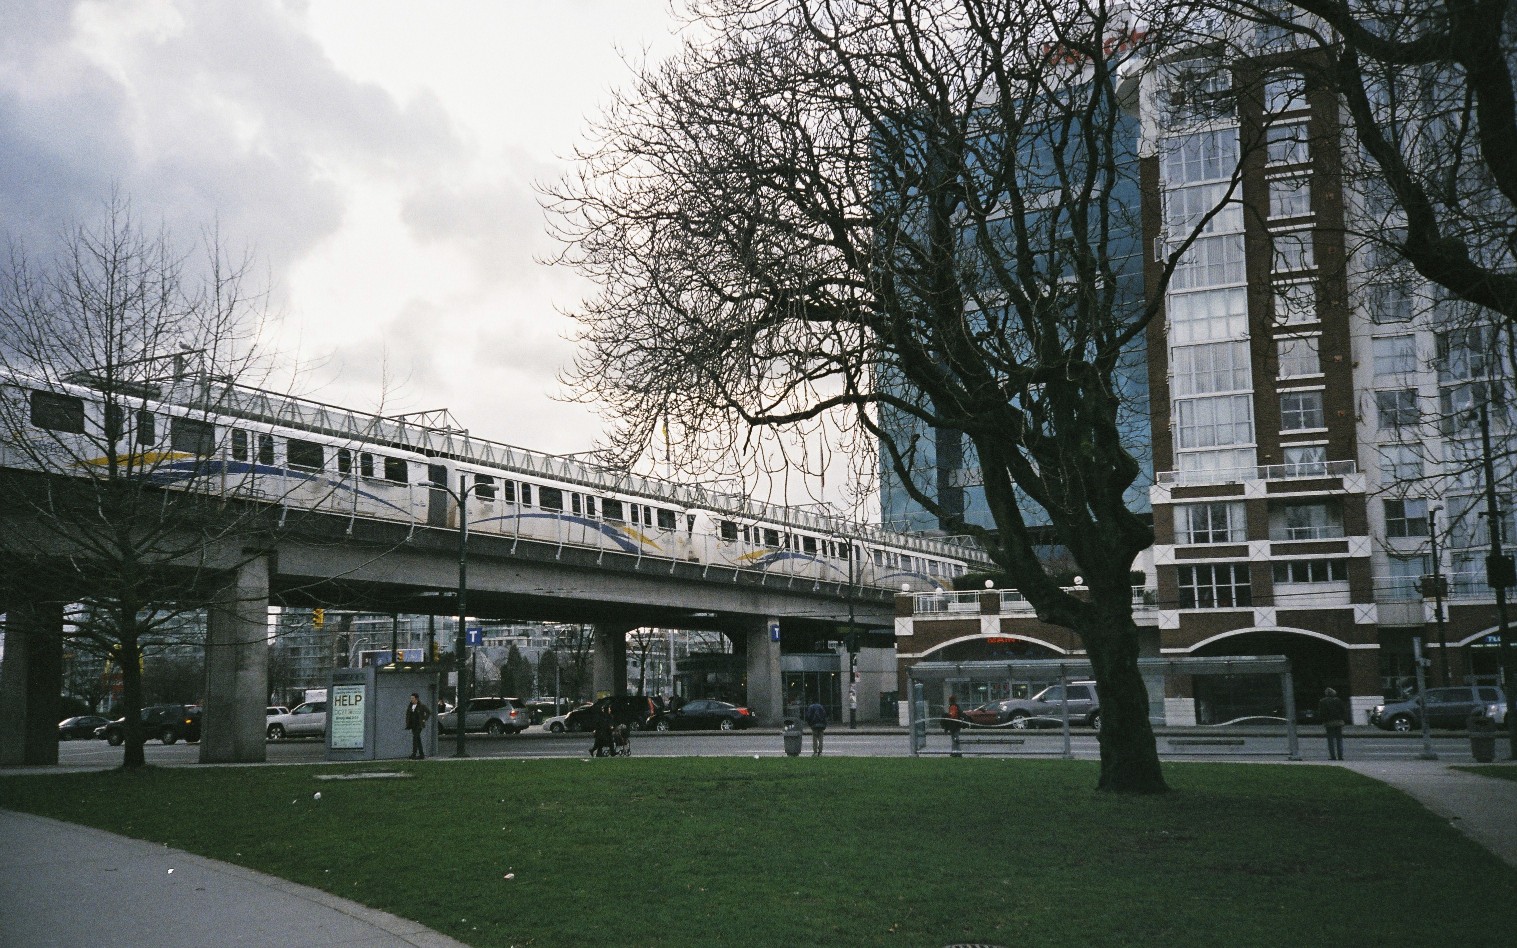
(1440, 586)
(1498, 574)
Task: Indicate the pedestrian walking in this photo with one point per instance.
(816, 717)
(953, 722)
(605, 743)
(1333, 715)
(416, 723)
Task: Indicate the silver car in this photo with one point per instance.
(1046, 708)
(307, 720)
(494, 716)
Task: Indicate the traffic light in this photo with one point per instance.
(318, 618)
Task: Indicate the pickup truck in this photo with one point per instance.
(307, 720)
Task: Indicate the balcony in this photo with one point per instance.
(1267, 472)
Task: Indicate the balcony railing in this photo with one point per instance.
(1011, 602)
(1266, 472)
(1461, 587)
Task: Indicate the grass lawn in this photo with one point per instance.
(837, 851)
(1499, 771)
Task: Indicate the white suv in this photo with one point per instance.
(307, 720)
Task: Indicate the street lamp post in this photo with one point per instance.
(1498, 571)
(1438, 584)
(460, 640)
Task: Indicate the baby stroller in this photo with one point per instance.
(621, 737)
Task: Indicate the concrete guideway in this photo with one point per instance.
(65, 885)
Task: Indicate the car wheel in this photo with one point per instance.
(557, 727)
(1402, 723)
(1019, 719)
(115, 739)
(661, 725)
(276, 732)
(726, 724)
(1095, 720)
(168, 737)
(495, 729)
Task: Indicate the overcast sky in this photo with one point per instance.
(378, 156)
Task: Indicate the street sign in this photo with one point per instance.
(474, 636)
(774, 631)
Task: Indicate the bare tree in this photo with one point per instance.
(909, 221)
(117, 512)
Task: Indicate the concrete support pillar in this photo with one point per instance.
(31, 682)
(237, 669)
(766, 697)
(609, 660)
(1363, 683)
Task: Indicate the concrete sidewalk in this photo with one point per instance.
(1482, 808)
(65, 885)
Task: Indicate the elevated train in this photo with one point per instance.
(303, 454)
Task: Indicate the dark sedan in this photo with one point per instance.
(705, 714)
(80, 727)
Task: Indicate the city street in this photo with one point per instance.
(1174, 744)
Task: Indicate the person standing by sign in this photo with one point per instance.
(953, 722)
(416, 723)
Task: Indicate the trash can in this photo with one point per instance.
(1482, 737)
(792, 734)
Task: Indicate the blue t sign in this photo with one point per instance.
(473, 636)
(774, 631)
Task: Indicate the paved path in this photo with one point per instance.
(65, 885)
(1482, 808)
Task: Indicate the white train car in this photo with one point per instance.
(305, 455)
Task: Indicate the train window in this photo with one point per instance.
(344, 461)
(526, 495)
(612, 510)
(437, 475)
(305, 454)
(589, 506)
(728, 530)
(365, 464)
(397, 470)
(115, 423)
(265, 449)
(747, 534)
(772, 538)
(484, 487)
(574, 502)
(879, 557)
(147, 429)
(667, 520)
(508, 491)
(239, 444)
(57, 412)
(550, 498)
(192, 436)
(808, 545)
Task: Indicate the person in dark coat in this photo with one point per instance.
(416, 723)
(1333, 715)
(816, 718)
(605, 742)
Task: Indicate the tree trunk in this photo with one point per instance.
(1129, 755)
(130, 655)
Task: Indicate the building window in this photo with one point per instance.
(1293, 251)
(1198, 90)
(1310, 571)
(1405, 577)
(1389, 303)
(1298, 356)
(1185, 209)
(1210, 422)
(1210, 261)
(1396, 408)
(1301, 411)
(1214, 367)
(1201, 156)
(1284, 92)
(1286, 144)
(1305, 460)
(1220, 463)
(1315, 520)
(1290, 197)
(1210, 523)
(1207, 316)
(1215, 586)
(1295, 303)
(1401, 462)
(1406, 518)
(1465, 353)
(1395, 355)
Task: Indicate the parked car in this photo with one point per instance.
(1046, 708)
(1446, 708)
(274, 709)
(169, 723)
(558, 724)
(705, 714)
(494, 716)
(81, 727)
(641, 712)
(986, 715)
(307, 720)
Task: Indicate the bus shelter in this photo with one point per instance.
(930, 684)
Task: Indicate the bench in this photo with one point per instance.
(1206, 741)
